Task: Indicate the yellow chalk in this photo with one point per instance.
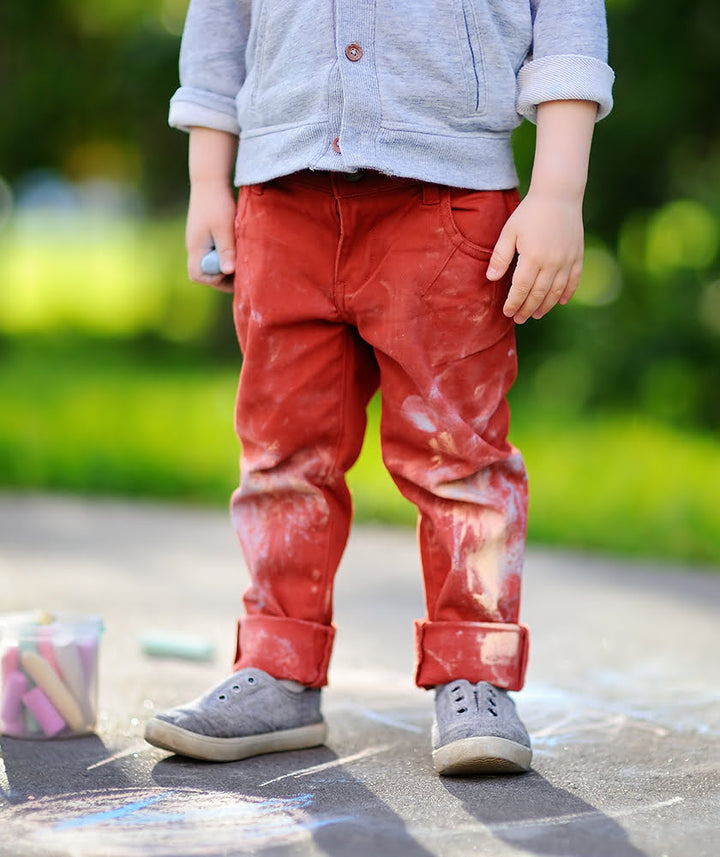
(46, 678)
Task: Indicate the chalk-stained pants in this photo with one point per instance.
(343, 286)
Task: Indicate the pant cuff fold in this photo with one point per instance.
(285, 648)
(475, 651)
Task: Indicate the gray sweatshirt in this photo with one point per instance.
(430, 89)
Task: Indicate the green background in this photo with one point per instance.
(117, 376)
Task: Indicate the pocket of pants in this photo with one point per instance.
(474, 219)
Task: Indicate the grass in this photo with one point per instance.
(108, 420)
(121, 416)
(624, 484)
(157, 422)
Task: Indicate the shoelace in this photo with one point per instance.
(489, 701)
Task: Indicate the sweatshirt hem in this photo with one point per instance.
(477, 162)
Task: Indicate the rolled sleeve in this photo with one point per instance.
(564, 77)
(194, 107)
(212, 65)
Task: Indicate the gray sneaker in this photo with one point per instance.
(247, 714)
(478, 731)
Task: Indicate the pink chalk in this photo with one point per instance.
(14, 728)
(44, 712)
(10, 662)
(13, 689)
(46, 649)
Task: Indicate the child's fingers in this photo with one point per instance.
(225, 246)
(523, 283)
(203, 269)
(535, 298)
(554, 294)
(503, 253)
(573, 282)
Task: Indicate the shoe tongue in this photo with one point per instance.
(294, 686)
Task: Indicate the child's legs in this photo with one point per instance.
(445, 453)
(445, 424)
(304, 385)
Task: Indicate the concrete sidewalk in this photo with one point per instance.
(621, 701)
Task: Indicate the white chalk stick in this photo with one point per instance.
(73, 674)
(88, 651)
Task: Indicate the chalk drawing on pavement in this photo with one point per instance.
(160, 821)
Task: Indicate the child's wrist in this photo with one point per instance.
(562, 190)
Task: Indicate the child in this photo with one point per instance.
(378, 242)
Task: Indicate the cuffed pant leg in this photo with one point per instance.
(285, 648)
(444, 382)
(475, 651)
(304, 386)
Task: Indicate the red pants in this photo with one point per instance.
(342, 287)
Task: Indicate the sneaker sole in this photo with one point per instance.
(185, 743)
(486, 755)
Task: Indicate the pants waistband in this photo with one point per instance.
(347, 184)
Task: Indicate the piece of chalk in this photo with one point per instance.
(10, 661)
(73, 674)
(13, 689)
(88, 651)
(45, 677)
(46, 649)
(186, 647)
(31, 725)
(14, 728)
(47, 716)
(210, 263)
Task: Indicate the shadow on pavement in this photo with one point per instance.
(72, 798)
(343, 817)
(541, 818)
(40, 769)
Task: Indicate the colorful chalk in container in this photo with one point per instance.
(48, 683)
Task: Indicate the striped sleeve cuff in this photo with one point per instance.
(193, 107)
(564, 78)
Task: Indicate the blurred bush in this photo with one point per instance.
(84, 89)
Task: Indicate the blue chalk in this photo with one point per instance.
(210, 263)
(158, 644)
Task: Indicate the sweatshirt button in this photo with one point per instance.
(336, 145)
(353, 52)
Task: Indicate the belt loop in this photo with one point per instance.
(430, 193)
(257, 189)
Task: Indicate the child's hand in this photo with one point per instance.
(211, 212)
(546, 229)
(546, 232)
(210, 223)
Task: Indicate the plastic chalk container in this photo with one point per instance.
(49, 679)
